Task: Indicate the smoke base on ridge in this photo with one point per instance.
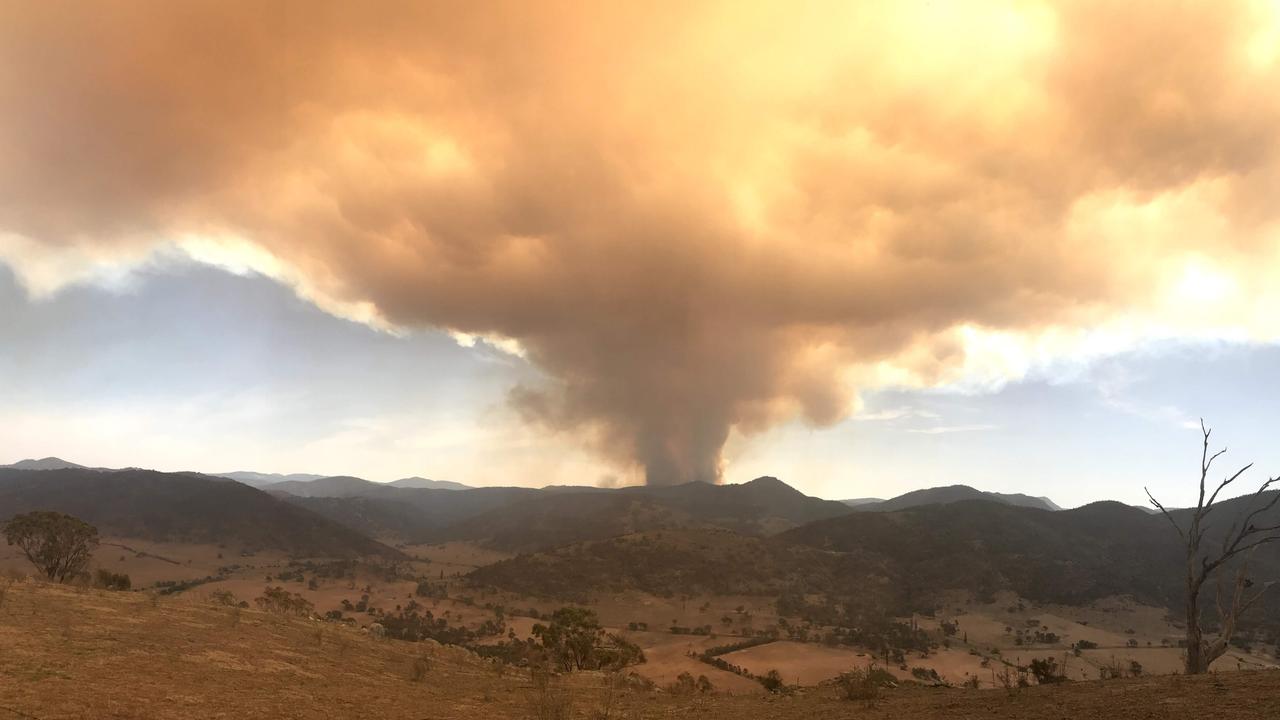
(693, 219)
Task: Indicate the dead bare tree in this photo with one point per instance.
(1241, 539)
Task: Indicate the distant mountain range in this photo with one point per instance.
(308, 485)
(181, 507)
(946, 495)
(253, 479)
(421, 482)
(49, 463)
(258, 480)
(760, 537)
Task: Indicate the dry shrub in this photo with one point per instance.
(281, 601)
(419, 668)
(614, 685)
(864, 684)
(1010, 678)
(553, 702)
(223, 597)
(684, 684)
(1112, 670)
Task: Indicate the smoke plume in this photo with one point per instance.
(694, 218)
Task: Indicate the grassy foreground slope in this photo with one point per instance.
(72, 653)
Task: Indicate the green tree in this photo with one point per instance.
(574, 640)
(59, 545)
(571, 638)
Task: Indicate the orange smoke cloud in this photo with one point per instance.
(693, 219)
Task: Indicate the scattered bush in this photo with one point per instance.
(279, 600)
(864, 684)
(925, 674)
(1046, 671)
(223, 597)
(551, 700)
(112, 581)
(772, 681)
(419, 668)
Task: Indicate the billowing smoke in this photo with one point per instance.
(693, 218)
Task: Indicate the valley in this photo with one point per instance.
(727, 583)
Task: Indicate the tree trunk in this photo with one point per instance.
(1195, 645)
(1196, 663)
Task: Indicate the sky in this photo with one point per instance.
(864, 247)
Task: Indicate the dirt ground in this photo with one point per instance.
(78, 653)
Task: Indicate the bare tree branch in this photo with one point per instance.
(1243, 537)
(1164, 512)
(1213, 498)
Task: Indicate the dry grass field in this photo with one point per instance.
(985, 641)
(81, 653)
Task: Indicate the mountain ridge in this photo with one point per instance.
(946, 494)
(182, 507)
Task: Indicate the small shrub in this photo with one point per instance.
(1112, 670)
(551, 700)
(1046, 671)
(223, 597)
(925, 674)
(772, 681)
(419, 668)
(279, 600)
(864, 684)
(108, 580)
(684, 684)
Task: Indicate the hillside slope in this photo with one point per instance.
(181, 507)
(527, 519)
(72, 654)
(841, 569)
(543, 523)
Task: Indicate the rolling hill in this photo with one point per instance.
(548, 522)
(948, 494)
(421, 482)
(762, 506)
(261, 480)
(406, 514)
(49, 463)
(528, 519)
(181, 507)
(834, 569)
